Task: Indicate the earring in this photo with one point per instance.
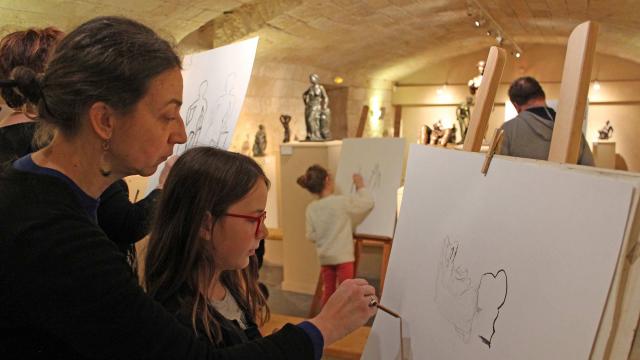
(105, 168)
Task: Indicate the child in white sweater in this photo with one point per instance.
(330, 221)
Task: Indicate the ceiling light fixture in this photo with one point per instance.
(494, 28)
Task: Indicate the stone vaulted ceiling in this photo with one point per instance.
(380, 38)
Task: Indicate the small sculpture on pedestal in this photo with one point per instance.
(463, 115)
(285, 120)
(317, 115)
(246, 147)
(606, 132)
(474, 83)
(260, 142)
(442, 136)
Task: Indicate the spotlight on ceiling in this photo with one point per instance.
(517, 54)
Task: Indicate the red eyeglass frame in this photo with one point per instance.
(258, 219)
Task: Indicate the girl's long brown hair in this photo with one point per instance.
(179, 262)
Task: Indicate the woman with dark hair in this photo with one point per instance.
(201, 262)
(330, 221)
(124, 222)
(112, 91)
(30, 48)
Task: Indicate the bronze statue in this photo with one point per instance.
(317, 115)
(260, 142)
(606, 132)
(463, 115)
(285, 120)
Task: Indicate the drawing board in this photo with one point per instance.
(379, 161)
(215, 84)
(514, 265)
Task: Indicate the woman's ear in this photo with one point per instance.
(102, 120)
(206, 228)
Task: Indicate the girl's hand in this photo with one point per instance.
(358, 181)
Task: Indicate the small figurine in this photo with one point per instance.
(285, 120)
(474, 83)
(606, 132)
(442, 136)
(246, 147)
(260, 142)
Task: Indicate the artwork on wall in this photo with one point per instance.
(215, 83)
(514, 265)
(379, 161)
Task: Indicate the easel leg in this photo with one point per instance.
(317, 299)
(386, 253)
(357, 254)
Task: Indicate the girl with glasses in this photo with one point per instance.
(201, 262)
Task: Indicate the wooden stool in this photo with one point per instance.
(375, 241)
(360, 241)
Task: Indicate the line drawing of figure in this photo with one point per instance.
(455, 296)
(375, 177)
(218, 125)
(197, 111)
(470, 309)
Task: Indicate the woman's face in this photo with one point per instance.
(234, 238)
(144, 138)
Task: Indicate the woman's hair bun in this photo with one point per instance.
(28, 87)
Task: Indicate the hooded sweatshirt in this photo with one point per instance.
(528, 135)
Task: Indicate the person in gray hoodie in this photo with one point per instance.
(528, 135)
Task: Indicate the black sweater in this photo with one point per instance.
(124, 222)
(66, 291)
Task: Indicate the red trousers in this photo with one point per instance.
(331, 273)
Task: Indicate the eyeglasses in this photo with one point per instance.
(258, 219)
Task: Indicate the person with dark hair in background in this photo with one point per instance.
(124, 222)
(330, 222)
(112, 91)
(30, 48)
(528, 135)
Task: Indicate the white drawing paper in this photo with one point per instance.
(514, 265)
(379, 161)
(215, 84)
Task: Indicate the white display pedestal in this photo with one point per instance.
(301, 267)
(604, 154)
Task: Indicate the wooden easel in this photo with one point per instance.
(621, 315)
